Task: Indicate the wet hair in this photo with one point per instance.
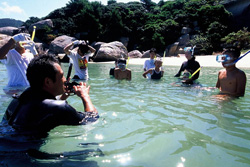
(84, 48)
(39, 68)
(233, 50)
(152, 50)
(158, 59)
(122, 60)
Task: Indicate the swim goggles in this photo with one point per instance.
(188, 49)
(186, 75)
(223, 58)
(122, 66)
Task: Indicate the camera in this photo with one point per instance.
(69, 86)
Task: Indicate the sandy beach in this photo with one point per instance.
(205, 61)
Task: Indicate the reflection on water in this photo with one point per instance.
(146, 123)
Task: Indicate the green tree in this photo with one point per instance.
(239, 39)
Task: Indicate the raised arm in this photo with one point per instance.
(82, 91)
(6, 47)
(67, 48)
(92, 50)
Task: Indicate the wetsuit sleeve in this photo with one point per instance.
(59, 112)
(67, 115)
(179, 72)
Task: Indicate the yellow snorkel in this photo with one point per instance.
(127, 62)
(33, 33)
(195, 72)
(32, 38)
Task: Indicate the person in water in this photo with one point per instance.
(16, 59)
(80, 58)
(37, 110)
(190, 65)
(122, 72)
(231, 80)
(156, 73)
(112, 70)
(148, 64)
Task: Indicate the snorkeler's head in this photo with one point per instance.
(84, 48)
(122, 64)
(158, 62)
(234, 51)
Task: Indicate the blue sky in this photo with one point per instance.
(23, 9)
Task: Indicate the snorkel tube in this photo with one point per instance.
(33, 33)
(193, 50)
(195, 72)
(127, 63)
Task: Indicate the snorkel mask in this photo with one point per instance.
(223, 58)
(122, 66)
(190, 49)
(186, 75)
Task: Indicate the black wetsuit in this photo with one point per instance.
(112, 71)
(39, 111)
(190, 65)
(156, 75)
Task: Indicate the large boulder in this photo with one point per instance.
(147, 54)
(4, 39)
(135, 54)
(58, 44)
(110, 52)
(41, 25)
(8, 30)
(173, 49)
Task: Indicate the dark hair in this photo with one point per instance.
(152, 50)
(122, 60)
(39, 68)
(84, 48)
(233, 50)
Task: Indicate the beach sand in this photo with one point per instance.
(205, 61)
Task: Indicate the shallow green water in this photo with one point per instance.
(148, 123)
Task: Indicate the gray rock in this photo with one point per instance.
(8, 30)
(173, 49)
(135, 54)
(185, 30)
(41, 25)
(4, 39)
(110, 52)
(58, 44)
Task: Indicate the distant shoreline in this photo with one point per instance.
(205, 61)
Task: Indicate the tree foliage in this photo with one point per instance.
(146, 23)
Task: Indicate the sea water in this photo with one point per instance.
(145, 123)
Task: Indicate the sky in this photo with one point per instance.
(24, 9)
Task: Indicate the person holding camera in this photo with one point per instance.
(37, 110)
(80, 58)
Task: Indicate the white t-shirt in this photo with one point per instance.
(17, 65)
(148, 64)
(80, 64)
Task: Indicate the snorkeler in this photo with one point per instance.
(191, 65)
(157, 72)
(80, 58)
(16, 60)
(148, 64)
(122, 72)
(231, 80)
